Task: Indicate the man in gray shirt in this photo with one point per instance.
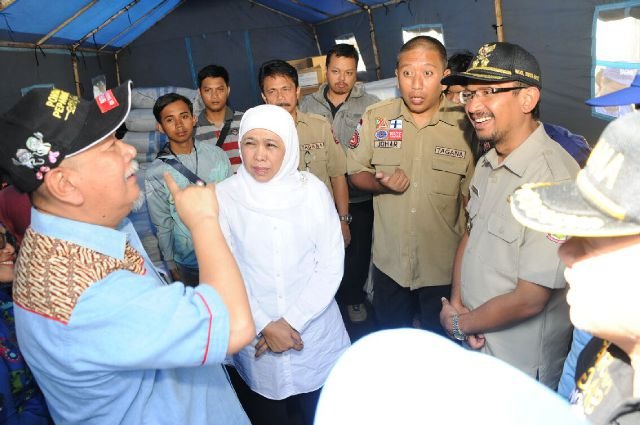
(342, 101)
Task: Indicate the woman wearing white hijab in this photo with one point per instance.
(284, 231)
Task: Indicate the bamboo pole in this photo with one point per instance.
(22, 45)
(76, 75)
(374, 43)
(115, 59)
(499, 26)
(65, 23)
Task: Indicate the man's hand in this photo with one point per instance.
(397, 182)
(278, 337)
(346, 233)
(475, 341)
(446, 316)
(194, 203)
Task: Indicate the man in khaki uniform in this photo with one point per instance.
(320, 151)
(508, 296)
(413, 154)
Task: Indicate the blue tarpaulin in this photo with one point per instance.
(28, 21)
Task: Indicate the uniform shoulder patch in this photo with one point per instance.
(355, 139)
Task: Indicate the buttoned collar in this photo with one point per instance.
(520, 158)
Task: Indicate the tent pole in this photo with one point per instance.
(104, 24)
(115, 58)
(65, 23)
(76, 75)
(137, 21)
(374, 43)
(315, 37)
(499, 26)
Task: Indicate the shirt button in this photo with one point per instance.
(415, 184)
(413, 210)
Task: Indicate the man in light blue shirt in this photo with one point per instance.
(107, 339)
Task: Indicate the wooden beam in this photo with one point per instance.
(76, 74)
(65, 23)
(22, 45)
(130, 27)
(104, 24)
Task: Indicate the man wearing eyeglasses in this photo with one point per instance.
(508, 292)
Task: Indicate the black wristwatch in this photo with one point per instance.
(346, 218)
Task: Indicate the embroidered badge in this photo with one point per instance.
(310, 146)
(106, 101)
(395, 135)
(355, 139)
(482, 59)
(396, 144)
(395, 124)
(62, 102)
(35, 155)
(381, 134)
(454, 153)
(557, 238)
(381, 124)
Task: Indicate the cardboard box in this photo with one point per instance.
(308, 90)
(310, 77)
(308, 62)
(304, 65)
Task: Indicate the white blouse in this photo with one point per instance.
(292, 262)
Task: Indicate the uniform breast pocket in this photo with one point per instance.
(502, 247)
(313, 159)
(386, 160)
(446, 175)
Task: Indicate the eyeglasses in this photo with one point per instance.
(467, 95)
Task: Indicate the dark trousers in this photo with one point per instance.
(299, 409)
(357, 256)
(396, 307)
(188, 275)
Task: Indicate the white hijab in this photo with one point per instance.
(285, 189)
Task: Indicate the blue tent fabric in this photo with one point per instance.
(27, 21)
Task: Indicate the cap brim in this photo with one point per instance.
(463, 78)
(99, 125)
(627, 96)
(560, 209)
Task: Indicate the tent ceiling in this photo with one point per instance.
(113, 24)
